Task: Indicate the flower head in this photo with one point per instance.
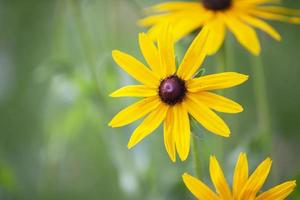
(169, 94)
(244, 187)
(238, 16)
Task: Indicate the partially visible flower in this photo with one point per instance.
(170, 94)
(238, 16)
(244, 187)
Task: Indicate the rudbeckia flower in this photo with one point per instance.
(238, 16)
(170, 95)
(244, 187)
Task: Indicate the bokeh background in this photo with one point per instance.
(56, 72)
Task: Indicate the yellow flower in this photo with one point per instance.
(238, 16)
(244, 187)
(170, 95)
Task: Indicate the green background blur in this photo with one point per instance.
(56, 72)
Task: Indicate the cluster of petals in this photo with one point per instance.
(244, 186)
(241, 18)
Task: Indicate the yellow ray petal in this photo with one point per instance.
(182, 131)
(218, 179)
(280, 10)
(199, 189)
(278, 192)
(218, 103)
(187, 23)
(169, 134)
(151, 122)
(254, 2)
(194, 56)
(166, 49)
(154, 19)
(174, 6)
(240, 176)
(261, 25)
(135, 68)
(135, 91)
(150, 53)
(256, 180)
(216, 35)
(135, 111)
(216, 81)
(205, 116)
(243, 33)
(273, 16)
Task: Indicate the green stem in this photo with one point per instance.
(196, 156)
(85, 43)
(261, 99)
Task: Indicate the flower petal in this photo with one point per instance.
(135, 68)
(218, 103)
(135, 111)
(274, 16)
(188, 24)
(218, 179)
(198, 188)
(205, 116)
(261, 25)
(173, 6)
(151, 122)
(135, 91)
(244, 33)
(169, 134)
(182, 131)
(216, 81)
(216, 35)
(194, 56)
(166, 49)
(278, 192)
(256, 180)
(240, 176)
(150, 53)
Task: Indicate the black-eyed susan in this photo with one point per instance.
(170, 95)
(238, 16)
(244, 187)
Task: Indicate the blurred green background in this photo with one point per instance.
(56, 72)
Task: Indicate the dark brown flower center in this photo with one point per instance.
(172, 90)
(217, 4)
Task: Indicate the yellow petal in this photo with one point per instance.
(182, 131)
(135, 68)
(166, 49)
(240, 176)
(278, 192)
(261, 25)
(280, 10)
(254, 2)
(188, 24)
(205, 116)
(218, 179)
(154, 19)
(216, 81)
(151, 122)
(173, 6)
(169, 134)
(256, 180)
(218, 103)
(243, 33)
(150, 53)
(194, 56)
(216, 35)
(135, 111)
(199, 189)
(274, 16)
(135, 91)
